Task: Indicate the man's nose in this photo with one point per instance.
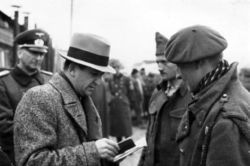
(39, 56)
(98, 80)
(160, 66)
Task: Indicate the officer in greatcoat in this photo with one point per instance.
(166, 107)
(121, 88)
(215, 129)
(32, 47)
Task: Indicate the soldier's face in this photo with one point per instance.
(167, 69)
(30, 60)
(190, 74)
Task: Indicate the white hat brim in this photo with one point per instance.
(105, 69)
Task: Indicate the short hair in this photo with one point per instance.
(134, 71)
(68, 62)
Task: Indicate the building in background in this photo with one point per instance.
(6, 40)
(7, 31)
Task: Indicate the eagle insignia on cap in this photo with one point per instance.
(40, 34)
(39, 42)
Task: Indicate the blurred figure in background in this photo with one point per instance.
(148, 89)
(137, 98)
(121, 89)
(244, 76)
(166, 107)
(32, 47)
(99, 97)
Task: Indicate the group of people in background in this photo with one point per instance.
(198, 113)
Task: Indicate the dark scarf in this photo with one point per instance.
(212, 76)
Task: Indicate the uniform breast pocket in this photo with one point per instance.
(175, 118)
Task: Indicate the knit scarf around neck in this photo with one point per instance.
(212, 76)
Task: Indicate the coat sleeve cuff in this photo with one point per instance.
(91, 153)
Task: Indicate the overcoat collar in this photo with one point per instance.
(82, 112)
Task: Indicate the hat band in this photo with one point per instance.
(88, 57)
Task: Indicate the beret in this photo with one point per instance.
(194, 43)
(34, 40)
(161, 42)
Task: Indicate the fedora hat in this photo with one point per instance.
(89, 50)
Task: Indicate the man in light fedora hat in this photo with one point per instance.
(57, 123)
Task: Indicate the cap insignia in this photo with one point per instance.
(39, 42)
(39, 34)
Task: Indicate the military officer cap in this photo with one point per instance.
(115, 63)
(194, 43)
(35, 40)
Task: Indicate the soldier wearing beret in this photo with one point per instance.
(215, 130)
(32, 47)
(166, 107)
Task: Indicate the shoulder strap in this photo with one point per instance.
(4, 73)
(209, 127)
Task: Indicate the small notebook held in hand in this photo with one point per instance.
(127, 147)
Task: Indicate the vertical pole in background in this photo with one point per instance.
(71, 17)
(15, 33)
(26, 21)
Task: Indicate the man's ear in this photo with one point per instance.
(199, 64)
(72, 69)
(20, 53)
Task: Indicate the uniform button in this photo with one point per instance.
(181, 150)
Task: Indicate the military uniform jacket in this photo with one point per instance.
(54, 127)
(215, 131)
(174, 108)
(120, 114)
(13, 84)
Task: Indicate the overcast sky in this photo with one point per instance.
(130, 25)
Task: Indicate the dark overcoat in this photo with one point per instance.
(120, 114)
(13, 84)
(162, 150)
(54, 127)
(215, 131)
